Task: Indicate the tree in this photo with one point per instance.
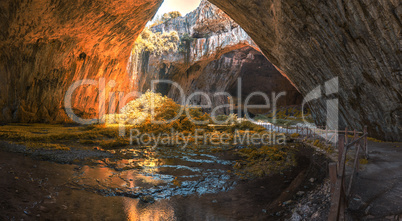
(174, 14)
(157, 43)
(185, 46)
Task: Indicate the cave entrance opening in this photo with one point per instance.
(206, 51)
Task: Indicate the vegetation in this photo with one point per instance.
(374, 140)
(156, 43)
(286, 116)
(363, 161)
(321, 145)
(185, 47)
(57, 137)
(255, 161)
(226, 119)
(154, 107)
(259, 162)
(170, 15)
(295, 135)
(166, 17)
(47, 146)
(136, 114)
(149, 43)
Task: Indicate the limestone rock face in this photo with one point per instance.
(46, 45)
(313, 41)
(220, 53)
(257, 74)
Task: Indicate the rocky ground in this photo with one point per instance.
(314, 205)
(122, 185)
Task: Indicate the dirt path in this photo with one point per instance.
(377, 190)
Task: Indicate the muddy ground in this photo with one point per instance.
(99, 185)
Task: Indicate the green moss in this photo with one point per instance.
(246, 125)
(47, 146)
(363, 161)
(258, 162)
(286, 116)
(295, 135)
(118, 142)
(374, 140)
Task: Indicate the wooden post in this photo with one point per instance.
(336, 211)
(346, 135)
(355, 169)
(336, 138)
(326, 134)
(341, 147)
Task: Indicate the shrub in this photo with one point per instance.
(139, 114)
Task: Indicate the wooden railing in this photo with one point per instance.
(339, 192)
(329, 136)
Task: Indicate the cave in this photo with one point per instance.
(297, 47)
(73, 80)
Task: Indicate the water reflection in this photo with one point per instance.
(158, 211)
(156, 175)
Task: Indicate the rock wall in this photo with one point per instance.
(220, 53)
(46, 45)
(313, 41)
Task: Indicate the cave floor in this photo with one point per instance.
(377, 189)
(162, 186)
(85, 183)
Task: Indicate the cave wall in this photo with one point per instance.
(221, 75)
(46, 45)
(313, 41)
